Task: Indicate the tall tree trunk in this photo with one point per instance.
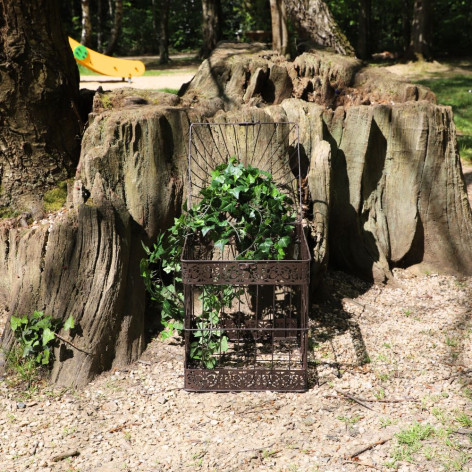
(279, 26)
(211, 26)
(155, 26)
(99, 26)
(164, 31)
(406, 25)
(116, 30)
(39, 85)
(86, 37)
(363, 45)
(421, 30)
(315, 23)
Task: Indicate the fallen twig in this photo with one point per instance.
(123, 426)
(71, 344)
(249, 450)
(257, 408)
(363, 464)
(366, 448)
(452, 377)
(65, 455)
(463, 431)
(354, 399)
(375, 400)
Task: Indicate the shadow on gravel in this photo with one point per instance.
(328, 319)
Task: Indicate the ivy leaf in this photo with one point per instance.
(69, 324)
(16, 322)
(284, 241)
(221, 243)
(47, 336)
(224, 344)
(266, 245)
(206, 229)
(45, 356)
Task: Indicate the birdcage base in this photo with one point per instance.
(231, 380)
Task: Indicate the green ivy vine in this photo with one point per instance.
(241, 205)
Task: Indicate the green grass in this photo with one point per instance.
(454, 91)
(169, 90)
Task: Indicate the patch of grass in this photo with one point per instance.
(409, 442)
(439, 414)
(55, 198)
(451, 342)
(22, 370)
(169, 90)
(464, 420)
(384, 422)
(457, 93)
(383, 376)
(348, 419)
(380, 394)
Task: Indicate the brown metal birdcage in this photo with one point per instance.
(266, 322)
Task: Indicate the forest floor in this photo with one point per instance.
(390, 389)
(389, 370)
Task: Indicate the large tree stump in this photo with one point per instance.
(381, 167)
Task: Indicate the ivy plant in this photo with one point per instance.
(36, 335)
(241, 205)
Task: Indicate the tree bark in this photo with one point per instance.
(163, 31)
(315, 23)
(39, 85)
(116, 30)
(279, 26)
(99, 25)
(211, 26)
(86, 37)
(363, 45)
(155, 26)
(406, 25)
(421, 31)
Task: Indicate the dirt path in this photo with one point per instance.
(431, 70)
(173, 80)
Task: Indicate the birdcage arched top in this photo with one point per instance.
(269, 146)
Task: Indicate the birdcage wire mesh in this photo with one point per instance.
(266, 322)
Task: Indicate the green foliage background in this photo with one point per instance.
(451, 28)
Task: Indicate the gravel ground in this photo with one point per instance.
(402, 351)
(390, 370)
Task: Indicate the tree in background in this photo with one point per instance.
(363, 42)
(370, 26)
(39, 86)
(117, 15)
(163, 31)
(315, 23)
(421, 31)
(211, 26)
(279, 26)
(86, 36)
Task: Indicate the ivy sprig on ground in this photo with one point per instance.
(36, 335)
(240, 206)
